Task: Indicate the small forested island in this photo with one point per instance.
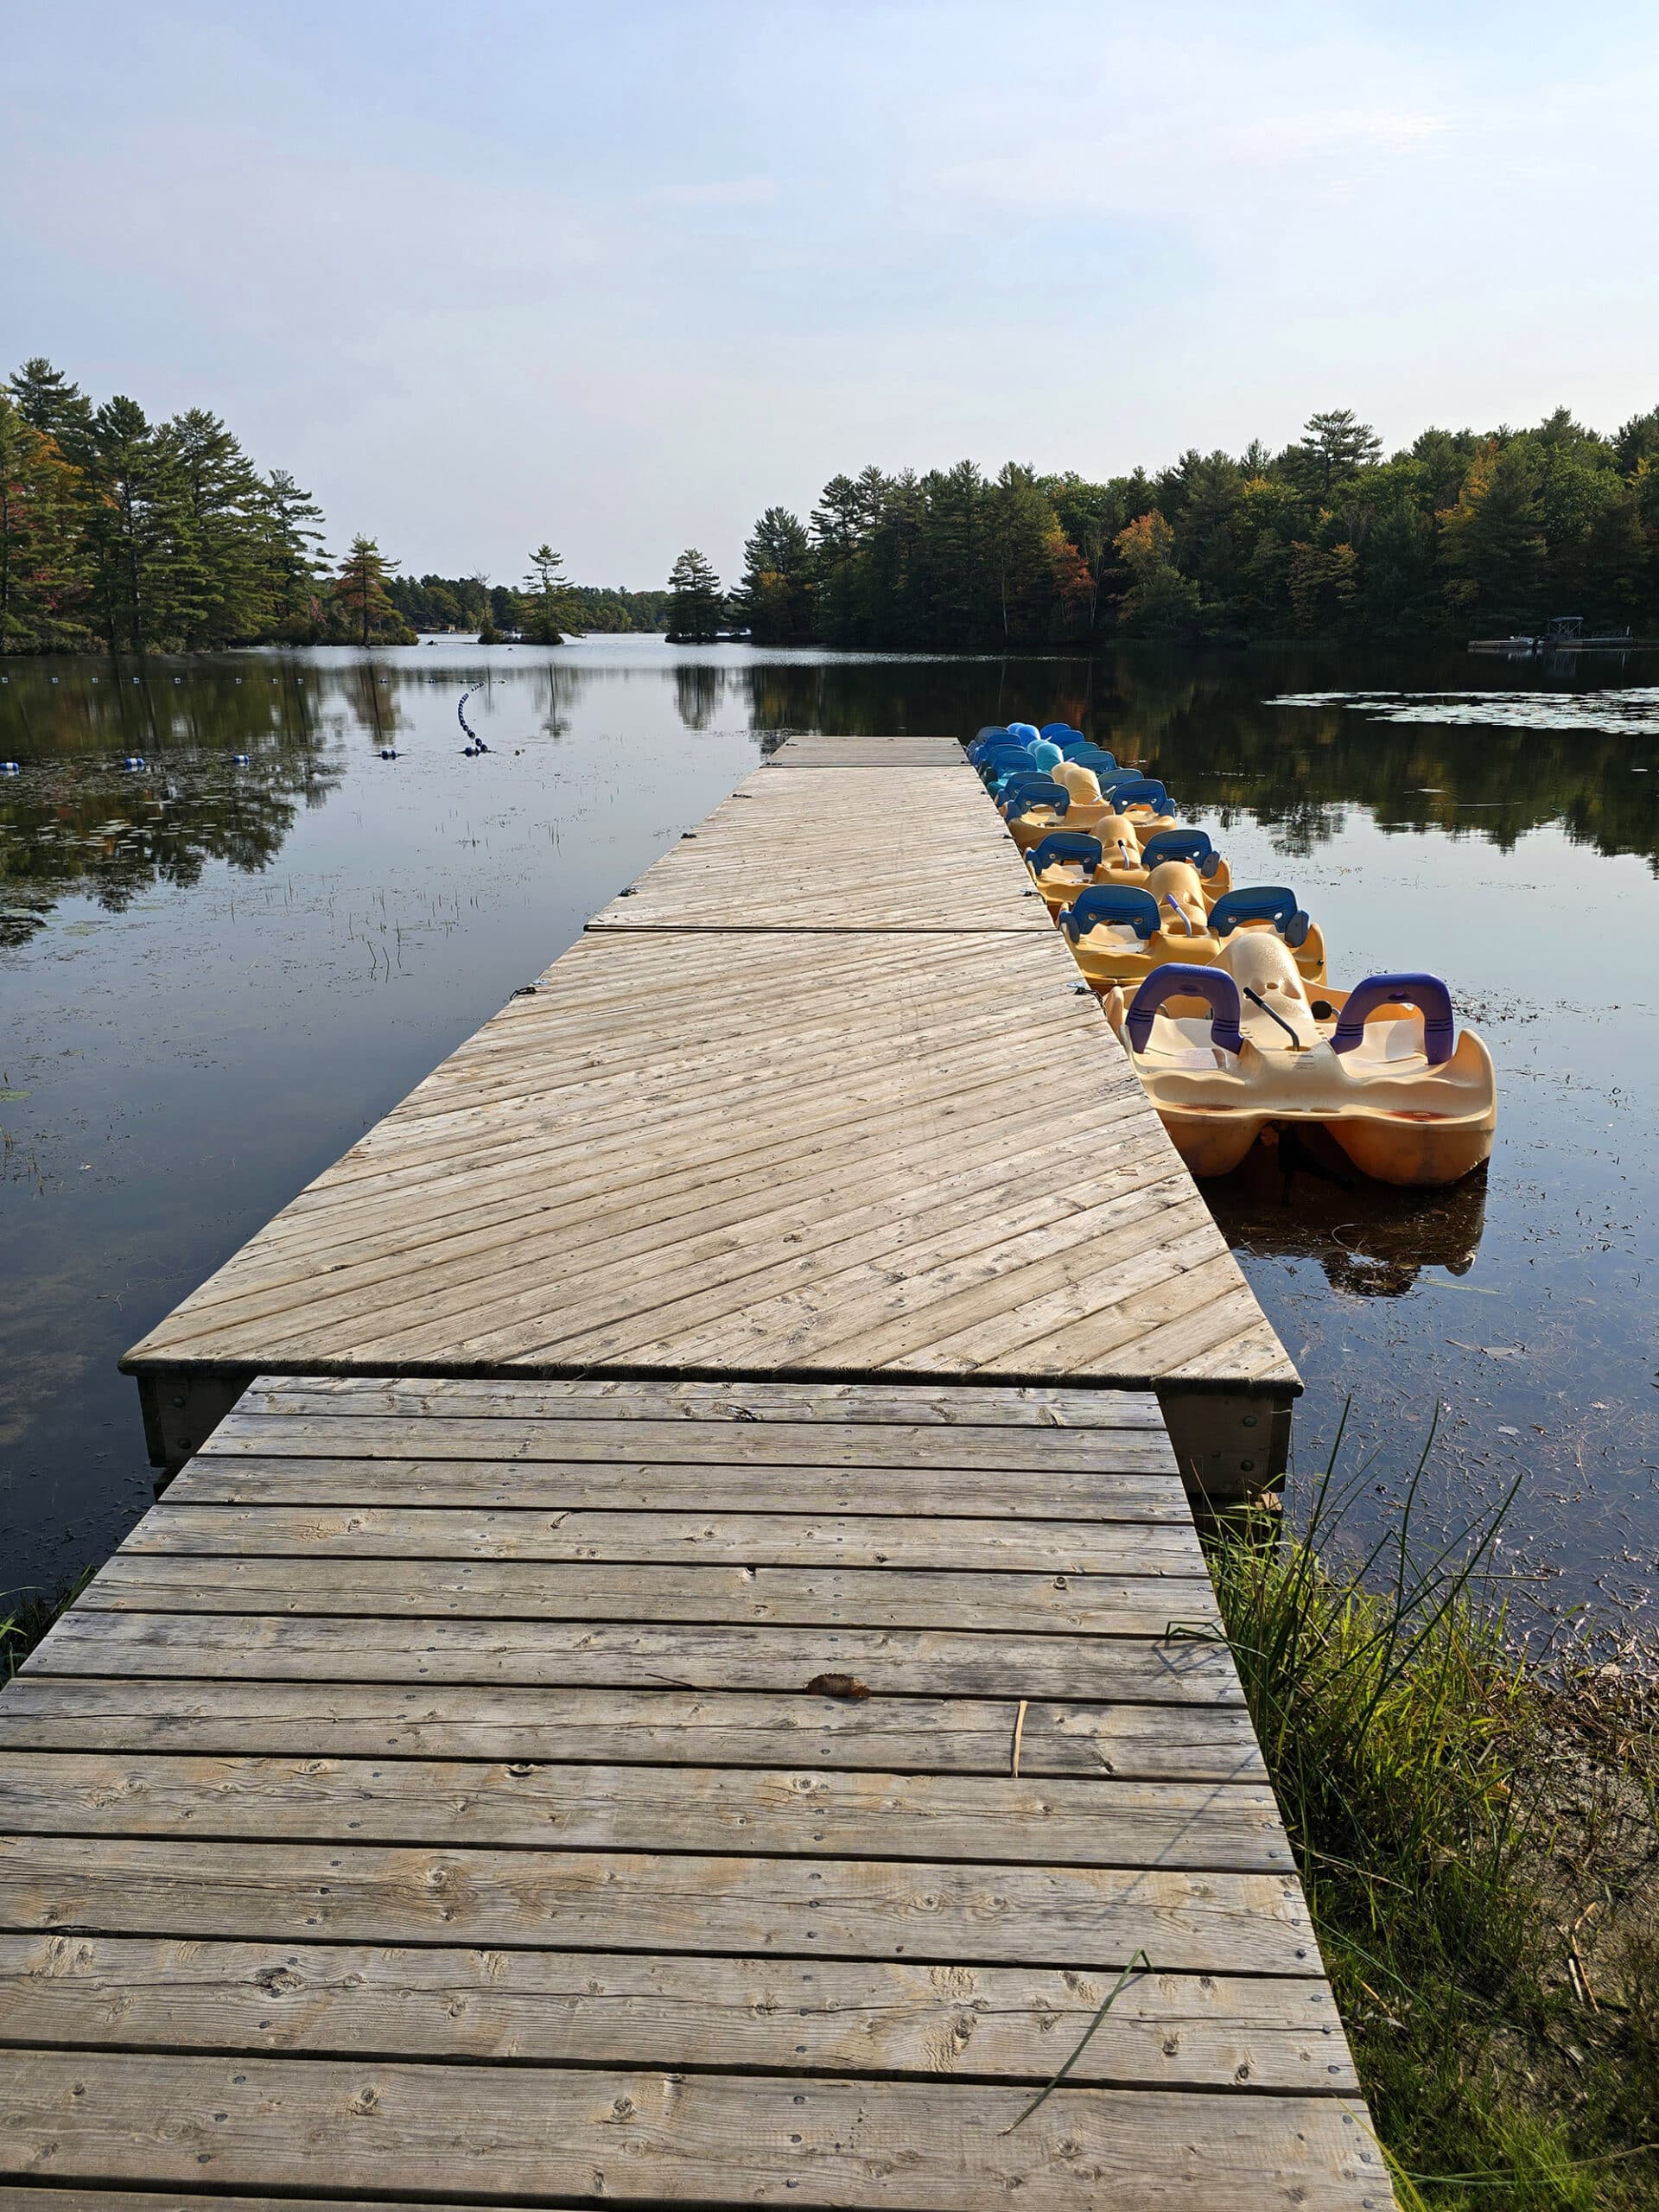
(141, 537)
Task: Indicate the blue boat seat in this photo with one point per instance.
(1192, 845)
(1065, 845)
(1137, 791)
(1035, 791)
(1265, 902)
(1110, 902)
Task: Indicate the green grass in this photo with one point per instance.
(1478, 1835)
(31, 1613)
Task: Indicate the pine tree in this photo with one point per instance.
(49, 403)
(219, 563)
(545, 588)
(289, 547)
(1333, 447)
(697, 604)
(1018, 520)
(775, 597)
(360, 594)
(135, 526)
(1492, 540)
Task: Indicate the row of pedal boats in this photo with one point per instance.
(1219, 993)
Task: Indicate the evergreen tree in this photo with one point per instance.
(49, 403)
(505, 613)
(1019, 522)
(1637, 440)
(1492, 540)
(289, 541)
(775, 597)
(1333, 446)
(361, 597)
(697, 604)
(218, 572)
(135, 527)
(545, 588)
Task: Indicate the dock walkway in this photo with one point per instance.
(686, 1676)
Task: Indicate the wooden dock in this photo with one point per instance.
(819, 1096)
(686, 1674)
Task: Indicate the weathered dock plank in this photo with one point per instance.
(811, 750)
(393, 1835)
(836, 849)
(679, 1668)
(388, 1812)
(851, 1162)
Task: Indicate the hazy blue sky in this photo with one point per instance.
(621, 275)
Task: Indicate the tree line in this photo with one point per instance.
(164, 536)
(473, 603)
(145, 537)
(1459, 534)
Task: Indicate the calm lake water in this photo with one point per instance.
(215, 973)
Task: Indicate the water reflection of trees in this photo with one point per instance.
(700, 692)
(74, 822)
(1203, 725)
(78, 824)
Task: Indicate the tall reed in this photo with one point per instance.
(1451, 1837)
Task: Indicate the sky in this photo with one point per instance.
(620, 276)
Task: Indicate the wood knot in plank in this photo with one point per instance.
(837, 1685)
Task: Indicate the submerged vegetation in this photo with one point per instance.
(1478, 1832)
(1460, 533)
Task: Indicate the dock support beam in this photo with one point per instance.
(182, 1407)
(1229, 1444)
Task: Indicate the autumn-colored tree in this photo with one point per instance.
(1161, 602)
(1321, 580)
(44, 575)
(1072, 579)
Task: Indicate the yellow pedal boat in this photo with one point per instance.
(1227, 1051)
(1119, 933)
(1069, 861)
(1033, 808)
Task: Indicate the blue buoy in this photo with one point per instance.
(388, 753)
(11, 767)
(241, 759)
(133, 761)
